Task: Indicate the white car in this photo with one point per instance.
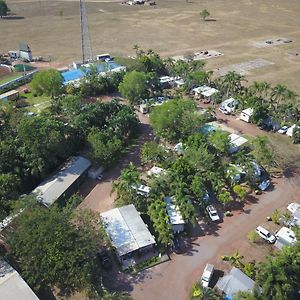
(283, 129)
(265, 234)
(264, 185)
(224, 110)
(213, 214)
(292, 207)
(207, 274)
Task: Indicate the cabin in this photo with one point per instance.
(246, 115)
(128, 233)
(25, 52)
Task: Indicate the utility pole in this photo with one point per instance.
(86, 47)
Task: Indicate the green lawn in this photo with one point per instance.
(36, 103)
(7, 78)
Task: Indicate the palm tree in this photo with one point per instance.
(260, 90)
(232, 82)
(272, 280)
(235, 259)
(127, 184)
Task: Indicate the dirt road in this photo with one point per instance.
(97, 194)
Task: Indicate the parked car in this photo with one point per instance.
(283, 129)
(207, 275)
(264, 126)
(224, 110)
(177, 245)
(264, 185)
(104, 259)
(265, 234)
(213, 214)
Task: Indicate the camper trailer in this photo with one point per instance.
(246, 115)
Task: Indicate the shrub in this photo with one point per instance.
(253, 236)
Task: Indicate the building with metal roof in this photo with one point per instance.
(237, 142)
(127, 231)
(174, 215)
(74, 75)
(61, 185)
(236, 281)
(12, 285)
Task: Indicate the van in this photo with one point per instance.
(207, 275)
(265, 234)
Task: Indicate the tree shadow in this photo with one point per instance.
(13, 17)
(216, 275)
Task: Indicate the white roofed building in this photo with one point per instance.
(12, 285)
(127, 231)
(174, 215)
(237, 142)
(64, 183)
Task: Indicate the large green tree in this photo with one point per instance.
(43, 144)
(175, 120)
(50, 248)
(134, 87)
(47, 82)
(104, 148)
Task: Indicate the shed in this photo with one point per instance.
(237, 142)
(62, 184)
(166, 81)
(179, 83)
(246, 114)
(127, 231)
(236, 281)
(12, 285)
(25, 52)
(174, 215)
(11, 95)
(209, 92)
(198, 90)
(285, 237)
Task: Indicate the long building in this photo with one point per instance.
(61, 185)
(12, 285)
(128, 232)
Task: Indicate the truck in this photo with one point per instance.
(207, 275)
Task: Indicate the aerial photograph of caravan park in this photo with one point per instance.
(149, 149)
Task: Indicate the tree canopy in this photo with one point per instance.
(134, 87)
(3, 8)
(57, 248)
(175, 119)
(47, 82)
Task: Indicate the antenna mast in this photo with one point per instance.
(86, 47)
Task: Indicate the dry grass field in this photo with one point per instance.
(172, 27)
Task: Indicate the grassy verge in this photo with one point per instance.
(143, 265)
(10, 77)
